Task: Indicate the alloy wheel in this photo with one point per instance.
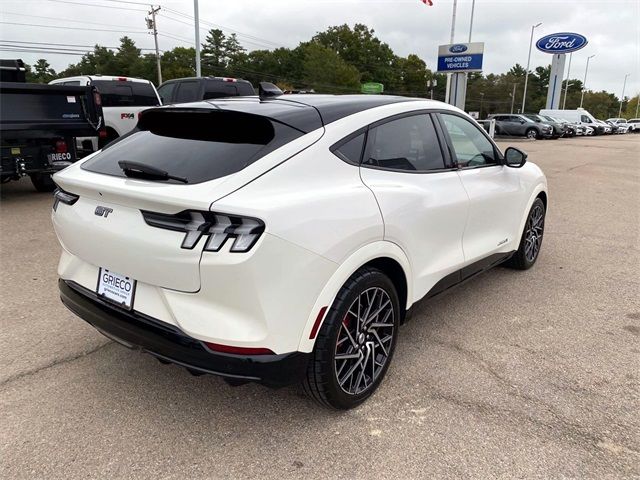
(364, 341)
(533, 235)
(532, 134)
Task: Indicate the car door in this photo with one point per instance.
(420, 195)
(496, 194)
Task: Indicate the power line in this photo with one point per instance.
(77, 28)
(64, 44)
(64, 19)
(96, 5)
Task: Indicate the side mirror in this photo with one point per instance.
(521, 122)
(514, 157)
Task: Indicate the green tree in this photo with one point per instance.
(42, 72)
(177, 63)
(325, 71)
(360, 48)
(221, 53)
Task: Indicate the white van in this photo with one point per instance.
(579, 116)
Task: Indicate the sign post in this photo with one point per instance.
(558, 44)
(459, 59)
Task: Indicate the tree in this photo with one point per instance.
(324, 70)
(43, 73)
(221, 53)
(177, 63)
(360, 48)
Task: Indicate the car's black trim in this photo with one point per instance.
(467, 273)
(168, 343)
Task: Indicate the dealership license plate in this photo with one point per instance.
(116, 288)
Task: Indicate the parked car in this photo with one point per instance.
(606, 128)
(578, 116)
(123, 98)
(185, 90)
(559, 129)
(635, 123)
(570, 128)
(622, 124)
(292, 237)
(521, 126)
(38, 124)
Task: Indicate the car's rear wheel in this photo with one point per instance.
(531, 241)
(532, 133)
(356, 342)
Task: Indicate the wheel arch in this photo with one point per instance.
(383, 255)
(539, 192)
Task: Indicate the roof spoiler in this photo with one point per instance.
(268, 90)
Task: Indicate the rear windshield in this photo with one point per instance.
(115, 93)
(221, 89)
(197, 145)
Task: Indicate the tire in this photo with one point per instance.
(42, 182)
(342, 383)
(532, 134)
(529, 249)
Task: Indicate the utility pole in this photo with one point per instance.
(453, 31)
(196, 19)
(526, 76)
(566, 87)
(473, 8)
(481, 104)
(584, 83)
(624, 85)
(151, 25)
(513, 96)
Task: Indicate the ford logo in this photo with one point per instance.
(458, 48)
(561, 43)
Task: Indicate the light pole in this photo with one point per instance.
(624, 85)
(526, 77)
(196, 19)
(513, 96)
(473, 8)
(566, 87)
(584, 83)
(482, 103)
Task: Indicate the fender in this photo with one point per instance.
(371, 251)
(540, 187)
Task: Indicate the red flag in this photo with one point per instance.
(427, 2)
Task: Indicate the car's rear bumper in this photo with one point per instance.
(170, 344)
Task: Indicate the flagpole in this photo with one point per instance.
(453, 32)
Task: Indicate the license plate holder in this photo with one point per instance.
(116, 288)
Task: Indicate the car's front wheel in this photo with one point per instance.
(531, 241)
(356, 342)
(532, 133)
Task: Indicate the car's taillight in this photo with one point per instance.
(61, 146)
(67, 198)
(218, 227)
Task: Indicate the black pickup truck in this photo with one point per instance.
(38, 124)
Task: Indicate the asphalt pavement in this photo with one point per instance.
(515, 374)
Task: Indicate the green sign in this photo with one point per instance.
(372, 87)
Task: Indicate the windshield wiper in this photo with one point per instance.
(142, 170)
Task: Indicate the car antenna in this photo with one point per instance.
(268, 90)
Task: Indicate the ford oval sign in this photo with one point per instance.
(561, 43)
(458, 48)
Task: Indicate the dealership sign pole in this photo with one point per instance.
(558, 44)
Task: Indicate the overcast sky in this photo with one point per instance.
(408, 26)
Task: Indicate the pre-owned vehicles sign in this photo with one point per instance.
(460, 57)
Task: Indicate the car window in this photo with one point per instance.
(405, 144)
(218, 89)
(144, 95)
(351, 150)
(187, 92)
(166, 92)
(196, 146)
(115, 93)
(585, 119)
(73, 83)
(471, 147)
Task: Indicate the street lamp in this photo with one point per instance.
(624, 85)
(526, 77)
(584, 83)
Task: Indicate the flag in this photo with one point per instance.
(427, 2)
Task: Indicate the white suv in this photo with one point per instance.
(284, 239)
